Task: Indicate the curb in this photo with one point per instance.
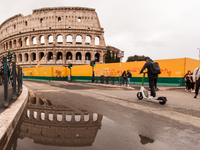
(10, 117)
(114, 86)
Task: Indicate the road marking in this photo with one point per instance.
(29, 84)
(38, 84)
(114, 96)
(160, 113)
(47, 90)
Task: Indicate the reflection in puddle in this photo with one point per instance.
(48, 126)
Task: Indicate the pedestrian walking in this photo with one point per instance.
(189, 81)
(152, 75)
(129, 75)
(124, 78)
(196, 79)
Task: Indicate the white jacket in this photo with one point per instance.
(196, 73)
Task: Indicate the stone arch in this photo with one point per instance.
(41, 54)
(87, 56)
(88, 40)
(59, 56)
(78, 39)
(42, 116)
(27, 41)
(10, 44)
(26, 57)
(33, 56)
(59, 19)
(6, 45)
(50, 38)
(79, 19)
(59, 39)
(97, 57)
(50, 56)
(78, 56)
(50, 117)
(20, 58)
(42, 40)
(69, 56)
(34, 40)
(69, 39)
(14, 44)
(20, 42)
(97, 40)
(15, 58)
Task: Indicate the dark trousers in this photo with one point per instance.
(152, 83)
(197, 86)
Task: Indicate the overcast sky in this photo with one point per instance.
(160, 29)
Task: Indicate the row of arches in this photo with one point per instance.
(41, 40)
(85, 117)
(59, 57)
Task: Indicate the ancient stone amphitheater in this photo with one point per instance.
(62, 35)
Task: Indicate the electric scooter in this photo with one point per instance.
(143, 93)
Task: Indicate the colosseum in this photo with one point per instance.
(61, 35)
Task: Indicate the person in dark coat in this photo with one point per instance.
(152, 78)
(124, 78)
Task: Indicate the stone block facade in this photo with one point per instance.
(62, 35)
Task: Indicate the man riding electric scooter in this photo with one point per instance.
(152, 78)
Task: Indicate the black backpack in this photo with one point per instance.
(154, 68)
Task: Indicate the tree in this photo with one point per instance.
(108, 57)
(135, 58)
(117, 59)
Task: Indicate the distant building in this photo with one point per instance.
(65, 34)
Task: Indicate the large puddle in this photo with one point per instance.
(55, 127)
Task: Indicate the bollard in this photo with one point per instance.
(96, 79)
(14, 80)
(102, 79)
(107, 80)
(6, 100)
(18, 79)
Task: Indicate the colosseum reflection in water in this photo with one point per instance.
(62, 34)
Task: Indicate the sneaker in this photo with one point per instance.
(195, 96)
(151, 97)
(156, 89)
(193, 91)
(149, 89)
(128, 84)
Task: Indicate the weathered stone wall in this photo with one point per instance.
(65, 34)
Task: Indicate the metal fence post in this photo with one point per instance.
(14, 80)
(18, 79)
(113, 80)
(6, 100)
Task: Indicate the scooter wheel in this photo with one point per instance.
(139, 95)
(163, 100)
(162, 103)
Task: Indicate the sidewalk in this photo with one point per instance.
(131, 87)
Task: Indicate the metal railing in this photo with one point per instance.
(13, 77)
(106, 79)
